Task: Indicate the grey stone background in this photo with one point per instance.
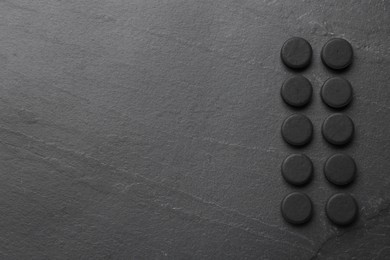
(150, 129)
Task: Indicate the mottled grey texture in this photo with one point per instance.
(134, 129)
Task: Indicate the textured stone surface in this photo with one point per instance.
(151, 129)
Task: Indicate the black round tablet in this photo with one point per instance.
(338, 129)
(296, 91)
(337, 54)
(336, 92)
(342, 209)
(297, 130)
(297, 169)
(297, 208)
(340, 169)
(296, 53)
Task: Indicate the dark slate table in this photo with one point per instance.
(150, 129)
